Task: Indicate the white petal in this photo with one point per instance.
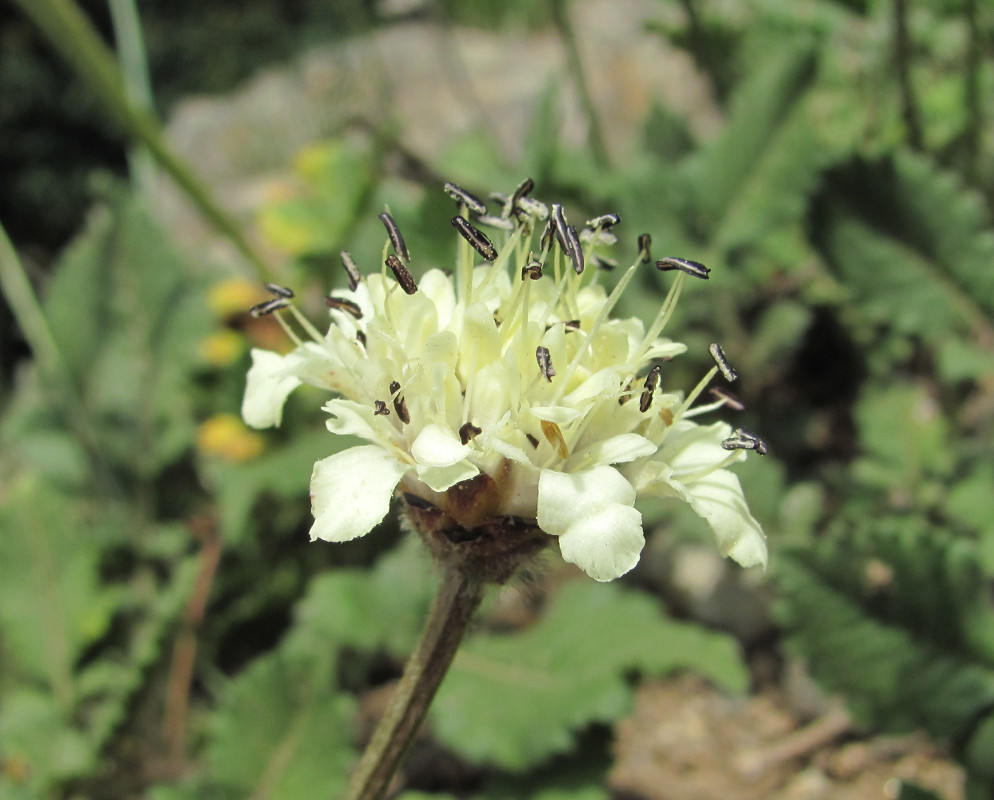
(615, 450)
(437, 446)
(351, 491)
(442, 478)
(561, 415)
(357, 419)
(606, 542)
(718, 498)
(268, 384)
(591, 512)
(689, 447)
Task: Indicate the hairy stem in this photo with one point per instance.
(457, 600)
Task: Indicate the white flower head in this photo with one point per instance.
(504, 403)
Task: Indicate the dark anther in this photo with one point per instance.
(533, 207)
(572, 325)
(381, 408)
(625, 395)
(350, 307)
(532, 439)
(475, 237)
(398, 402)
(524, 189)
(395, 238)
(268, 307)
(606, 264)
(743, 440)
(403, 275)
(532, 269)
(719, 358)
(694, 268)
(576, 252)
(649, 389)
(361, 338)
(559, 226)
(351, 270)
(460, 195)
(545, 362)
(418, 502)
(730, 399)
(469, 431)
(279, 291)
(605, 221)
(546, 241)
(645, 245)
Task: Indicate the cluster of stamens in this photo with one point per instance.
(562, 257)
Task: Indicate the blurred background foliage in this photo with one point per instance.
(166, 630)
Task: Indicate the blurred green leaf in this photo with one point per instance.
(281, 731)
(897, 618)
(515, 700)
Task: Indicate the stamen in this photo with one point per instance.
(554, 436)
(532, 440)
(545, 362)
(351, 270)
(402, 274)
(381, 409)
(495, 222)
(649, 389)
(546, 240)
(743, 440)
(279, 291)
(694, 268)
(526, 187)
(560, 227)
(476, 237)
(606, 264)
(604, 221)
(398, 402)
(576, 252)
(361, 338)
(572, 325)
(343, 304)
(395, 238)
(469, 431)
(727, 398)
(645, 243)
(268, 307)
(532, 269)
(719, 358)
(626, 394)
(460, 195)
(534, 208)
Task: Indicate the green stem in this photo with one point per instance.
(457, 600)
(598, 146)
(902, 57)
(75, 39)
(130, 48)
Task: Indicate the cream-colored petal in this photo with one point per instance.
(438, 446)
(606, 542)
(442, 478)
(351, 491)
(614, 450)
(270, 381)
(719, 499)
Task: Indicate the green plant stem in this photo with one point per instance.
(74, 38)
(457, 600)
(902, 58)
(131, 55)
(598, 146)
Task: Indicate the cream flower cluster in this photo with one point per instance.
(513, 371)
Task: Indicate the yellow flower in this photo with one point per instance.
(226, 436)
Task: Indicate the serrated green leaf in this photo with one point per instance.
(903, 429)
(282, 732)
(514, 700)
(896, 617)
